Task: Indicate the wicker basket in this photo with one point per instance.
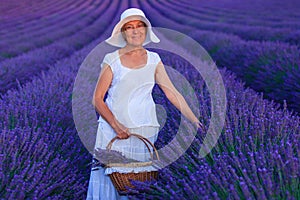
(121, 180)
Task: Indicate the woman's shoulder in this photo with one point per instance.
(111, 54)
(110, 57)
(152, 52)
(154, 56)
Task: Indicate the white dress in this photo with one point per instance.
(130, 100)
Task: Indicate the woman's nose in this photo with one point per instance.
(135, 30)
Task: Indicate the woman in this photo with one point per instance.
(128, 76)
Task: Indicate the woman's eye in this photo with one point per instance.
(140, 25)
(128, 27)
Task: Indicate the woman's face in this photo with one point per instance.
(134, 32)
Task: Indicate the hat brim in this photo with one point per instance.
(116, 38)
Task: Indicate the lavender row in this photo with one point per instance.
(228, 17)
(32, 63)
(272, 68)
(58, 102)
(213, 14)
(207, 181)
(229, 177)
(258, 33)
(49, 20)
(247, 110)
(55, 158)
(266, 67)
(56, 28)
(45, 104)
(10, 12)
(256, 157)
(19, 15)
(256, 9)
(288, 11)
(54, 111)
(32, 169)
(47, 157)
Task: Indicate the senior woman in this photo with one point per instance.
(128, 76)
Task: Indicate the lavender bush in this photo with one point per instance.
(32, 63)
(19, 15)
(264, 66)
(245, 32)
(54, 28)
(41, 156)
(42, 107)
(257, 156)
(13, 20)
(212, 11)
(31, 169)
(257, 8)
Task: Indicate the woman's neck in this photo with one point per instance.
(128, 49)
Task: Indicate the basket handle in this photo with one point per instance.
(145, 140)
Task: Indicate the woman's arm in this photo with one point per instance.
(164, 82)
(102, 86)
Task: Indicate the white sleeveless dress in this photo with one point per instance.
(130, 100)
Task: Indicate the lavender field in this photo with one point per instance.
(256, 46)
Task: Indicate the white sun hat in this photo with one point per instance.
(116, 38)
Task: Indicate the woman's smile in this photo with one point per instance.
(136, 37)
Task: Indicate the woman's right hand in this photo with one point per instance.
(121, 130)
